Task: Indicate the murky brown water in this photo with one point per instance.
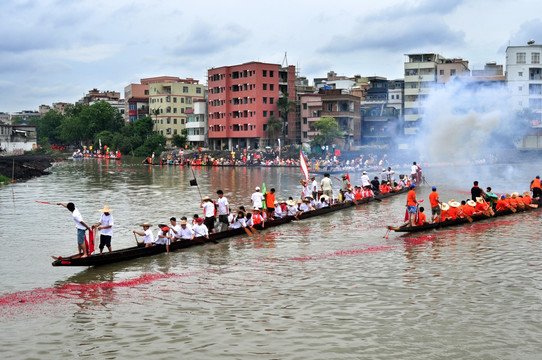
(325, 288)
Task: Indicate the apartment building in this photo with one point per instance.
(197, 124)
(241, 100)
(136, 96)
(169, 102)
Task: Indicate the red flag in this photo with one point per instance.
(90, 242)
(303, 165)
(348, 178)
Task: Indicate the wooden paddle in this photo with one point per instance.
(247, 231)
(253, 230)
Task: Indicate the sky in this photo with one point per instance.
(58, 50)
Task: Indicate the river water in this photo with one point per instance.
(330, 287)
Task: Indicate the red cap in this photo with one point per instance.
(165, 228)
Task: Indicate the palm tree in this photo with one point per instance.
(274, 127)
(285, 106)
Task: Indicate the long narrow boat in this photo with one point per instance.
(458, 221)
(141, 251)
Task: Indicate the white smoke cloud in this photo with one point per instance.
(463, 122)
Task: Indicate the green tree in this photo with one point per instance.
(285, 106)
(101, 116)
(328, 131)
(180, 140)
(274, 128)
(49, 127)
(73, 130)
(155, 143)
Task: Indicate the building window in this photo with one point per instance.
(271, 73)
(535, 58)
(329, 107)
(175, 122)
(146, 92)
(520, 74)
(168, 120)
(305, 121)
(441, 72)
(271, 113)
(265, 100)
(198, 90)
(264, 73)
(265, 86)
(271, 87)
(305, 134)
(265, 113)
(520, 88)
(520, 58)
(271, 100)
(174, 131)
(185, 89)
(452, 72)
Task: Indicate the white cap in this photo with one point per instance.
(257, 188)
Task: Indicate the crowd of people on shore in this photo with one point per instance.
(480, 203)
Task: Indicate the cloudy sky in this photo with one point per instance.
(57, 50)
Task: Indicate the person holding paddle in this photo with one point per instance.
(200, 229)
(81, 227)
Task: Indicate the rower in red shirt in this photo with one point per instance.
(527, 198)
(481, 205)
(468, 209)
(502, 204)
(453, 212)
(444, 215)
(421, 217)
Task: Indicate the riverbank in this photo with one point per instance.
(24, 167)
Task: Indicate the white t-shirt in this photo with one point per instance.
(326, 183)
(201, 230)
(365, 181)
(257, 199)
(314, 186)
(162, 240)
(186, 233)
(292, 210)
(222, 206)
(413, 169)
(238, 223)
(76, 215)
(306, 191)
(175, 231)
(148, 238)
(209, 209)
(106, 220)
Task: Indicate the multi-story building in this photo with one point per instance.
(136, 96)
(5, 118)
(524, 77)
(168, 103)
(310, 112)
(524, 82)
(381, 111)
(25, 116)
(111, 97)
(449, 69)
(241, 100)
(196, 123)
(420, 79)
(61, 107)
(16, 139)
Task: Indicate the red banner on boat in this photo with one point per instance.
(303, 165)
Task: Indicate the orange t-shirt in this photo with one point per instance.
(433, 199)
(481, 207)
(527, 199)
(270, 200)
(453, 212)
(513, 202)
(468, 210)
(411, 198)
(421, 219)
(501, 205)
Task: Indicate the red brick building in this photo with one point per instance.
(242, 98)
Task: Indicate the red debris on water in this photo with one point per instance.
(343, 253)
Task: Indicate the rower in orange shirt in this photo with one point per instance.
(481, 206)
(519, 200)
(527, 198)
(421, 217)
(453, 211)
(434, 201)
(412, 205)
(469, 208)
(512, 201)
(502, 204)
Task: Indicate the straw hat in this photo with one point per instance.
(471, 203)
(183, 222)
(290, 203)
(325, 197)
(145, 224)
(299, 201)
(516, 194)
(106, 209)
(444, 206)
(526, 193)
(451, 201)
(255, 208)
(455, 204)
(206, 198)
(480, 200)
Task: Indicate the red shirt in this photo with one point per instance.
(501, 205)
(453, 212)
(527, 199)
(270, 200)
(468, 210)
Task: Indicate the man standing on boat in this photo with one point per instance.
(536, 187)
(257, 198)
(326, 185)
(412, 205)
(314, 187)
(365, 181)
(209, 212)
(80, 226)
(435, 202)
(105, 225)
(223, 211)
(477, 192)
